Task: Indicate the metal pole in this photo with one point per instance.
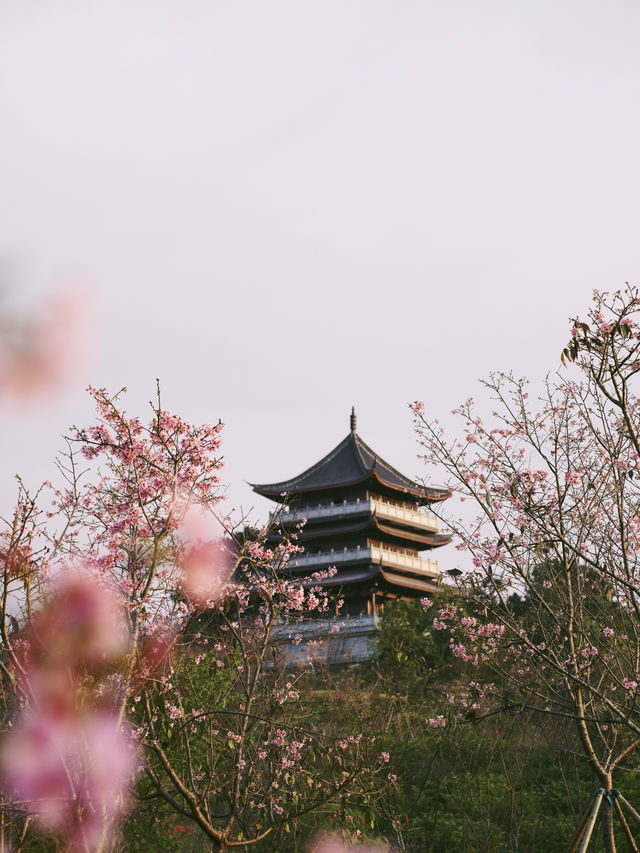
(586, 838)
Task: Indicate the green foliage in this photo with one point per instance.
(514, 781)
(206, 704)
(510, 782)
(411, 653)
(492, 787)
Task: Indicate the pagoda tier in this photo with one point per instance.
(362, 517)
(347, 535)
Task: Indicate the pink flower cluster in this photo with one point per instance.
(156, 474)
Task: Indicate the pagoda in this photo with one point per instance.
(371, 523)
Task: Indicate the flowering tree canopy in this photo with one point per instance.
(139, 631)
(94, 592)
(549, 615)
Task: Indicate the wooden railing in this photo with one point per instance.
(372, 554)
(422, 520)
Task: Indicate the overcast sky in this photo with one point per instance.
(283, 209)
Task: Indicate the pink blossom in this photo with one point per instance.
(38, 355)
(70, 772)
(84, 620)
(80, 629)
(68, 759)
(279, 739)
(206, 568)
(336, 844)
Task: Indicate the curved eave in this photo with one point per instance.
(396, 581)
(309, 532)
(413, 489)
(434, 540)
(426, 540)
(413, 582)
(281, 495)
(294, 569)
(345, 577)
(435, 495)
(276, 493)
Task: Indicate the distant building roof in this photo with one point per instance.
(351, 462)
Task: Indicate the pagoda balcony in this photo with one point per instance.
(383, 509)
(372, 554)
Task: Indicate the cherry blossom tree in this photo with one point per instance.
(549, 615)
(117, 531)
(231, 743)
(133, 620)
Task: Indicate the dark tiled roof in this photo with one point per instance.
(396, 581)
(352, 461)
(422, 539)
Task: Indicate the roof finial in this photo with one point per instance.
(353, 419)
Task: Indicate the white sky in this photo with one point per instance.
(282, 209)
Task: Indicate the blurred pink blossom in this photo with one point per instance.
(207, 559)
(78, 633)
(335, 844)
(206, 568)
(68, 759)
(70, 771)
(84, 621)
(38, 355)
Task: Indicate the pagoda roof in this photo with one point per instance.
(397, 581)
(349, 463)
(422, 540)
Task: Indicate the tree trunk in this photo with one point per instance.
(606, 815)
